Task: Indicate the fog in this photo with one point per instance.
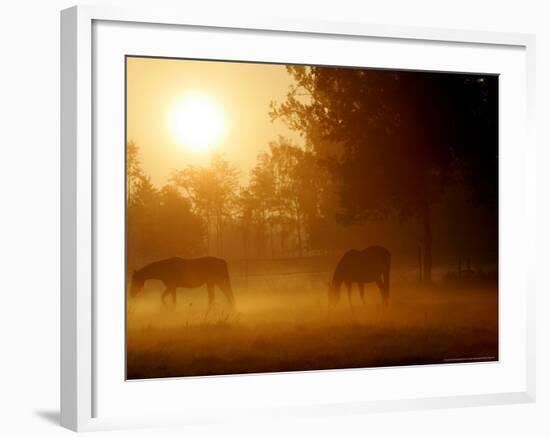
(282, 322)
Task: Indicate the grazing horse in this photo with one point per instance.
(369, 265)
(186, 273)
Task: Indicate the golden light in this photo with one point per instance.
(197, 122)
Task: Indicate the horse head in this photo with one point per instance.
(136, 284)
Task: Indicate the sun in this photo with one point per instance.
(197, 122)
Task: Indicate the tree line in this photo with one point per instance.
(202, 207)
(378, 143)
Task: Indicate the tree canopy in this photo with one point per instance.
(395, 140)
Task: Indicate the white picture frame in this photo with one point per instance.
(82, 368)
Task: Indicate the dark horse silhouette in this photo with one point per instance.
(369, 265)
(186, 273)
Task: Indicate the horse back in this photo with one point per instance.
(363, 266)
(377, 256)
(205, 270)
(212, 269)
(182, 272)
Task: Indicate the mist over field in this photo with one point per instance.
(283, 322)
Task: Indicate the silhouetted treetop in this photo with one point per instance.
(397, 139)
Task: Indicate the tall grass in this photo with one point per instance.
(285, 324)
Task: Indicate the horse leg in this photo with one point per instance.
(210, 288)
(382, 288)
(225, 287)
(348, 286)
(174, 296)
(362, 292)
(166, 293)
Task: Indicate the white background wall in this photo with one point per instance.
(29, 215)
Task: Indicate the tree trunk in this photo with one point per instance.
(427, 240)
(298, 228)
(420, 262)
(271, 242)
(262, 237)
(220, 234)
(245, 242)
(299, 234)
(207, 233)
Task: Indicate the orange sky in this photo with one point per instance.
(242, 90)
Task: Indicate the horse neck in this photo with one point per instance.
(142, 275)
(150, 271)
(337, 280)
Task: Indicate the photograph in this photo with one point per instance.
(294, 217)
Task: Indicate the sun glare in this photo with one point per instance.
(197, 122)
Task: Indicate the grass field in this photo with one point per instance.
(283, 323)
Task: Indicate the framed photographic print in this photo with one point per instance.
(272, 218)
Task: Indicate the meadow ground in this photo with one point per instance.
(283, 323)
